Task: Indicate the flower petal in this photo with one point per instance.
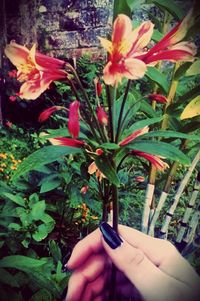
(67, 142)
(122, 29)
(155, 160)
(106, 44)
(141, 36)
(134, 135)
(73, 123)
(16, 53)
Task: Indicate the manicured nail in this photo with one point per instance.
(110, 235)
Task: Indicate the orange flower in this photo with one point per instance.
(128, 55)
(155, 160)
(94, 169)
(36, 70)
(125, 45)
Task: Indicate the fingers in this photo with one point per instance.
(91, 244)
(87, 273)
(153, 248)
(146, 277)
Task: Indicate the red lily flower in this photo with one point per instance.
(128, 56)
(157, 98)
(170, 47)
(102, 116)
(67, 142)
(155, 160)
(36, 70)
(134, 135)
(73, 123)
(48, 112)
(125, 45)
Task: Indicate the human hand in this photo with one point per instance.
(145, 264)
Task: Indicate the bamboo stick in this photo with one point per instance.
(192, 247)
(147, 207)
(175, 200)
(188, 211)
(160, 205)
(192, 226)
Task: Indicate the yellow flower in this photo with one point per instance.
(1, 169)
(3, 156)
(13, 167)
(3, 165)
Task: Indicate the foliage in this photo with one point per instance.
(55, 197)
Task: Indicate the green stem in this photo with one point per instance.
(122, 110)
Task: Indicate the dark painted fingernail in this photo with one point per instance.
(65, 260)
(110, 235)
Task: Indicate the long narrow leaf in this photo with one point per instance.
(160, 149)
(45, 155)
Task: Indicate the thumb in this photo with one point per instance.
(151, 282)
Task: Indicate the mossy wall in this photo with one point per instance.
(60, 27)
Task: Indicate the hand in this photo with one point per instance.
(147, 265)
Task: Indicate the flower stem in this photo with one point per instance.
(121, 111)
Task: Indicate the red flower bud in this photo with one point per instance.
(98, 87)
(99, 151)
(73, 123)
(139, 179)
(48, 112)
(84, 189)
(157, 98)
(102, 116)
(12, 98)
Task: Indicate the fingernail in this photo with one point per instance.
(110, 235)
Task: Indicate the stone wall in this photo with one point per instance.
(66, 28)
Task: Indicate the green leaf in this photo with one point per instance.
(121, 7)
(42, 295)
(105, 166)
(37, 210)
(22, 263)
(45, 155)
(134, 3)
(49, 183)
(55, 250)
(157, 35)
(171, 134)
(182, 70)
(175, 10)
(147, 109)
(156, 76)
(160, 149)
(7, 278)
(41, 233)
(109, 146)
(14, 226)
(194, 69)
(15, 198)
(192, 109)
(141, 124)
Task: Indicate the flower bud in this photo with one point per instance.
(102, 116)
